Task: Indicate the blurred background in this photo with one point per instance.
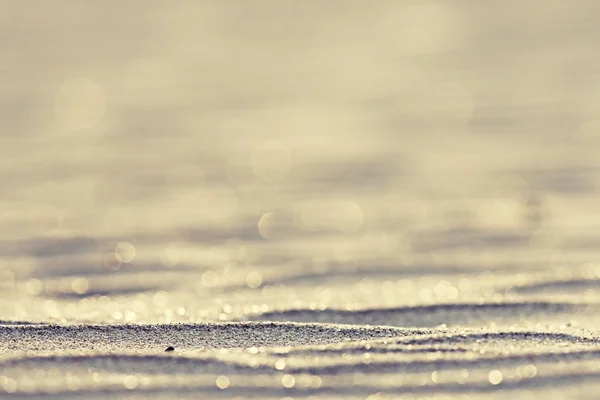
(194, 160)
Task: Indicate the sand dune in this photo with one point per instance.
(328, 199)
(288, 359)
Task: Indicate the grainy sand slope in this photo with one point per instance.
(264, 360)
(315, 198)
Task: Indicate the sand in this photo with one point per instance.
(275, 360)
(271, 199)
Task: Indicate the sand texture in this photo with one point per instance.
(285, 199)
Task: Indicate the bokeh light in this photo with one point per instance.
(126, 251)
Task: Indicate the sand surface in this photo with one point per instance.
(275, 360)
(333, 199)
